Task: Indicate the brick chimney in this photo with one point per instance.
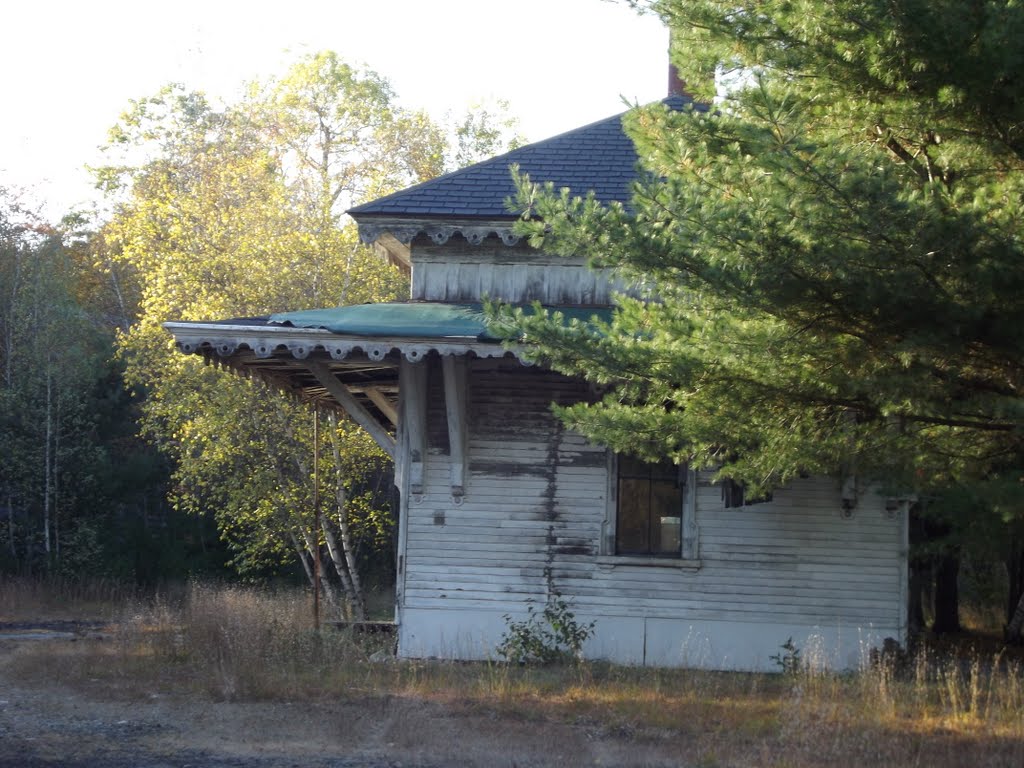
(676, 84)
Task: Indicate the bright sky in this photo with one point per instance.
(71, 66)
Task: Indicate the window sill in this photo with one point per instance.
(614, 561)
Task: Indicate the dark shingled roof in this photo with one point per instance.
(598, 157)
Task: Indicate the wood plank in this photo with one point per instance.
(453, 281)
(322, 372)
(383, 404)
(689, 530)
(419, 288)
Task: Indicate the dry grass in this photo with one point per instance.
(240, 643)
(23, 598)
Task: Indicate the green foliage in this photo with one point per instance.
(51, 360)
(236, 210)
(233, 212)
(788, 660)
(217, 211)
(825, 268)
(75, 480)
(551, 636)
(485, 131)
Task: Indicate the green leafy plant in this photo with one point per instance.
(788, 660)
(546, 637)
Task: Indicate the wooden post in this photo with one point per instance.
(402, 482)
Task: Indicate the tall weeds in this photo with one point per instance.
(230, 642)
(239, 642)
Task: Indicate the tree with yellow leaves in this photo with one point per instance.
(238, 212)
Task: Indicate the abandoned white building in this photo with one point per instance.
(499, 502)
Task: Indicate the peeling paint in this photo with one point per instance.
(508, 469)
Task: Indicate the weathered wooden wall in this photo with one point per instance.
(460, 272)
(535, 502)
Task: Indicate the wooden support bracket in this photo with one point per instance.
(353, 407)
(413, 391)
(454, 370)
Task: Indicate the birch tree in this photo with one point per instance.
(236, 211)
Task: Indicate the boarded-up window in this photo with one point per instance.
(649, 509)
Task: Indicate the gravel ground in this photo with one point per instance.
(47, 726)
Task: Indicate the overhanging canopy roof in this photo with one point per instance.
(417, 320)
(328, 355)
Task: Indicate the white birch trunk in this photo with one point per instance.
(302, 557)
(325, 585)
(359, 598)
(9, 384)
(346, 539)
(56, 482)
(353, 609)
(10, 526)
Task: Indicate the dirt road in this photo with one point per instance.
(48, 725)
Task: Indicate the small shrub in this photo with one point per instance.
(553, 635)
(788, 660)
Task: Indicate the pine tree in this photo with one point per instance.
(827, 264)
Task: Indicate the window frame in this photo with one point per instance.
(688, 554)
(735, 496)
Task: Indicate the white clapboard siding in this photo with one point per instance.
(536, 508)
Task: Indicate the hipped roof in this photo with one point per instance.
(598, 158)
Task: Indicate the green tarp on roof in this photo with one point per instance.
(421, 320)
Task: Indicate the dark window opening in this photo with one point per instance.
(649, 509)
(735, 494)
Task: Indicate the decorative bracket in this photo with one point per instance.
(413, 390)
(405, 231)
(454, 371)
(383, 404)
